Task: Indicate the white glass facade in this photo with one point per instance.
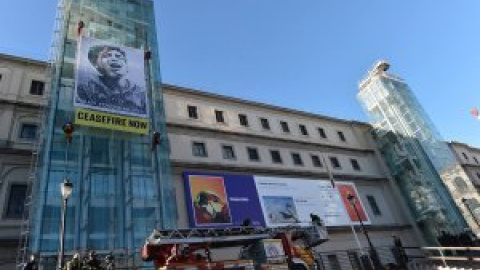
(420, 161)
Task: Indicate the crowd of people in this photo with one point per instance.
(90, 262)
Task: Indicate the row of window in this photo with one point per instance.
(199, 149)
(264, 123)
(467, 159)
(36, 87)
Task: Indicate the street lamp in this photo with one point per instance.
(66, 189)
(467, 205)
(373, 253)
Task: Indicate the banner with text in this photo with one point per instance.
(224, 200)
(110, 86)
(111, 121)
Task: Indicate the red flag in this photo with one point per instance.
(475, 112)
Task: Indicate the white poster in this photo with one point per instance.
(290, 201)
(110, 78)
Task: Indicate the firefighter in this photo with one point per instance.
(109, 262)
(92, 262)
(75, 263)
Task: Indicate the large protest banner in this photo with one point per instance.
(110, 86)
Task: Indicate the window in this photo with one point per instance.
(192, 112)
(28, 131)
(316, 161)
(198, 149)
(303, 129)
(1, 77)
(253, 154)
(355, 164)
(322, 133)
(265, 124)
(243, 120)
(284, 126)
(465, 156)
(460, 184)
(276, 157)
(478, 175)
(341, 136)
(335, 163)
(476, 160)
(333, 262)
(228, 152)
(297, 159)
(37, 87)
(373, 205)
(16, 201)
(354, 260)
(219, 116)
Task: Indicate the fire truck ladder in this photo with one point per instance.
(314, 234)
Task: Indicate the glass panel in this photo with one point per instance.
(16, 201)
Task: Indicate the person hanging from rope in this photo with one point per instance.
(109, 263)
(68, 130)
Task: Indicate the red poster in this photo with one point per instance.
(210, 200)
(345, 190)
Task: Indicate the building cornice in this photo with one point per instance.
(373, 228)
(33, 105)
(6, 149)
(469, 147)
(23, 59)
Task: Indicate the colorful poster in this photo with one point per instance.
(280, 210)
(345, 190)
(110, 78)
(216, 200)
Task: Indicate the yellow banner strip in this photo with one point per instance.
(111, 121)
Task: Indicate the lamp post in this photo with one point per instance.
(373, 253)
(467, 205)
(66, 189)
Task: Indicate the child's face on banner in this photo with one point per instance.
(112, 63)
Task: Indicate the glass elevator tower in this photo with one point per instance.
(429, 176)
(122, 181)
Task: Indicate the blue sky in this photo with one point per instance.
(307, 55)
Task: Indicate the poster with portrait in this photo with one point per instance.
(210, 201)
(110, 78)
(221, 200)
(346, 189)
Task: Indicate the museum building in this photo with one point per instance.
(210, 134)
